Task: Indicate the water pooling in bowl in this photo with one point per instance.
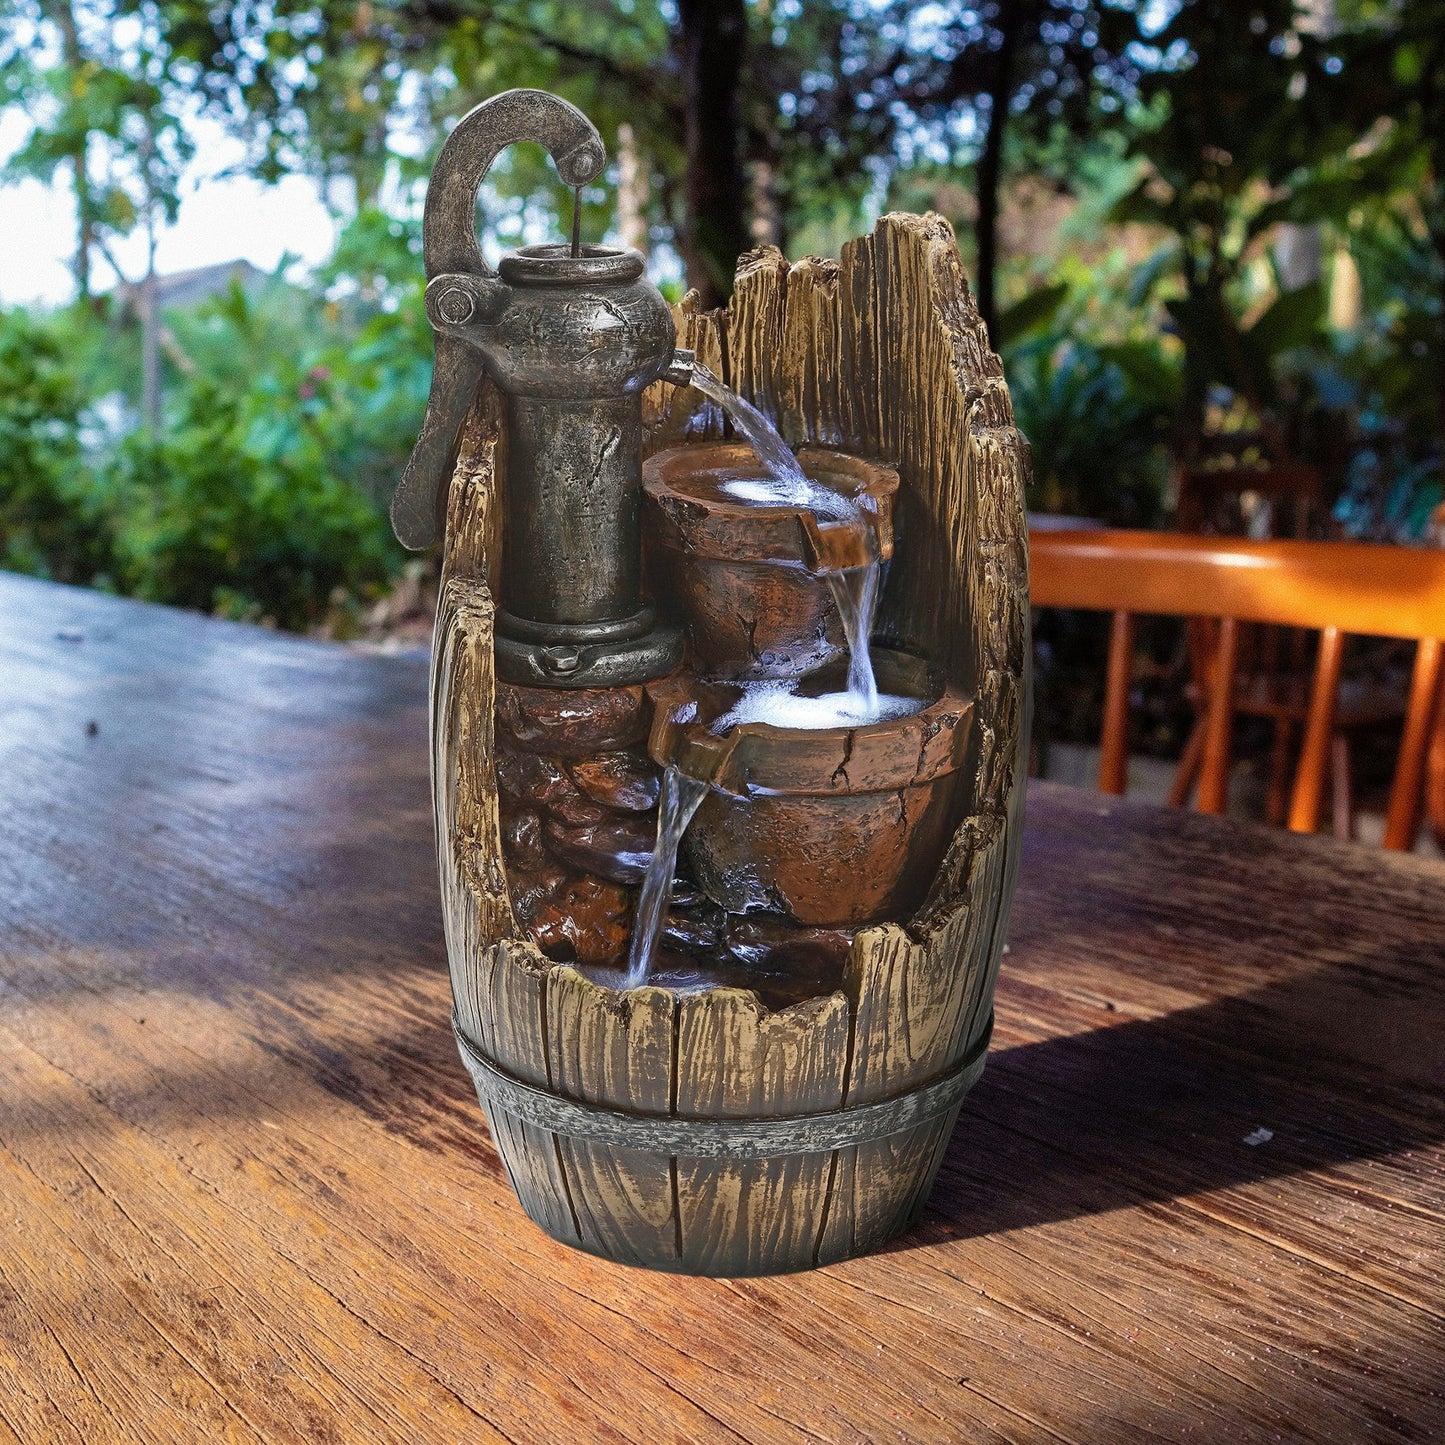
(777, 701)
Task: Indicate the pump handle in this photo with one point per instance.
(450, 247)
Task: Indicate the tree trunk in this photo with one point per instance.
(766, 223)
(990, 167)
(150, 388)
(64, 19)
(1189, 418)
(85, 223)
(712, 43)
(1437, 237)
(632, 191)
(1440, 371)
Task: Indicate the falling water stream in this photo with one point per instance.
(786, 479)
(854, 591)
(681, 798)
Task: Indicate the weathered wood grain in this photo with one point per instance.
(615, 1049)
(511, 995)
(246, 1192)
(735, 1059)
(673, 415)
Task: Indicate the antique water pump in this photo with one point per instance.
(571, 336)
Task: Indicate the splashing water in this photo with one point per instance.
(765, 492)
(681, 798)
(855, 589)
(776, 701)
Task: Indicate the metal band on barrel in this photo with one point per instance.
(750, 1138)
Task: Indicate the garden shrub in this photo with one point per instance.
(54, 519)
(210, 524)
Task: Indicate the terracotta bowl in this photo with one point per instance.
(833, 827)
(748, 578)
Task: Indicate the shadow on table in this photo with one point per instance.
(1300, 1075)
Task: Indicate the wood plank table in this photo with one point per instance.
(246, 1193)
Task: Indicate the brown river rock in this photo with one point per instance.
(571, 915)
(629, 781)
(772, 940)
(522, 842)
(532, 778)
(618, 848)
(571, 722)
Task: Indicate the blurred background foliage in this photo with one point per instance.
(1180, 216)
(289, 412)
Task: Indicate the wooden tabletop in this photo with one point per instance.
(246, 1192)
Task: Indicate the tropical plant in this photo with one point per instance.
(1097, 412)
(289, 416)
(1236, 109)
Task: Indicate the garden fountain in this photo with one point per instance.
(744, 1054)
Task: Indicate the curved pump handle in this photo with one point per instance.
(450, 247)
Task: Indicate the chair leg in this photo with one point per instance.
(1309, 781)
(1214, 773)
(1114, 744)
(1277, 799)
(1435, 773)
(1403, 820)
(1188, 769)
(1342, 805)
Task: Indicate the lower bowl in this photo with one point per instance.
(839, 826)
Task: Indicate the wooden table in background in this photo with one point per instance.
(246, 1192)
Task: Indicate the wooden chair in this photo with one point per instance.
(1335, 587)
(1273, 666)
(1210, 498)
(1435, 779)
(1435, 758)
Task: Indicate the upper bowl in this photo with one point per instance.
(746, 570)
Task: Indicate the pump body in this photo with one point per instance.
(571, 337)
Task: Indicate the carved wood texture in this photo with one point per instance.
(880, 353)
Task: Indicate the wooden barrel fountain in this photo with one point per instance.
(702, 1131)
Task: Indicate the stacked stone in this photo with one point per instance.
(578, 794)
(578, 799)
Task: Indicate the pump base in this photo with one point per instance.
(608, 662)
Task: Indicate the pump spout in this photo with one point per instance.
(682, 367)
